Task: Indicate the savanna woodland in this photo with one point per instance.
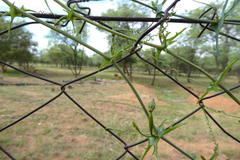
(123, 79)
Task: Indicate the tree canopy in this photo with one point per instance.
(16, 46)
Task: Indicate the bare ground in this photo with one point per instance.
(120, 92)
(220, 103)
(146, 94)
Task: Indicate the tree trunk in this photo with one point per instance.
(154, 77)
(189, 74)
(125, 69)
(149, 71)
(3, 68)
(130, 71)
(238, 76)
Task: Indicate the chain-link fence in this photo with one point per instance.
(134, 51)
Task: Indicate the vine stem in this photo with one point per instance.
(132, 88)
(57, 30)
(185, 17)
(105, 28)
(205, 73)
(115, 33)
(84, 19)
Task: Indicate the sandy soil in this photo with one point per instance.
(220, 103)
(146, 94)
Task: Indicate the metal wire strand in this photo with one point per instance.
(7, 153)
(134, 51)
(219, 125)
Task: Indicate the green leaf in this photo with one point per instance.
(139, 131)
(171, 39)
(155, 151)
(213, 86)
(26, 10)
(170, 129)
(105, 63)
(5, 14)
(60, 20)
(153, 141)
(210, 88)
(215, 154)
(156, 57)
(71, 17)
(222, 75)
(160, 129)
(220, 24)
(158, 8)
(116, 55)
(13, 13)
(146, 151)
(230, 10)
(151, 106)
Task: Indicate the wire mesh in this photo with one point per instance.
(135, 51)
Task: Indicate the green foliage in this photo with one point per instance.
(224, 14)
(120, 46)
(116, 53)
(19, 47)
(165, 37)
(231, 9)
(158, 7)
(219, 25)
(46, 2)
(70, 17)
(61, 54)
(214, 85)
(155, 132)
(131, 29)
(13, 13)
(215, 154)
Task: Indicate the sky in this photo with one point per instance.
(40, 32)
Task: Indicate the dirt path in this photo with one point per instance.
(146, 94)
(220, 103)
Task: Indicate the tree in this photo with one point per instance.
(207, 42)
(95, 60)
(17, 46)
(152, 55)
(63, 55)
(131, 29)
(188, 53)
(70, 50)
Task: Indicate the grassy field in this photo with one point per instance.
(62, 131)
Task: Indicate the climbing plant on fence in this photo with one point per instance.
(156, 132)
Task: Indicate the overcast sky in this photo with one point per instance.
(98, 8)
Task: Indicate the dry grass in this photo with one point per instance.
(61, 131)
